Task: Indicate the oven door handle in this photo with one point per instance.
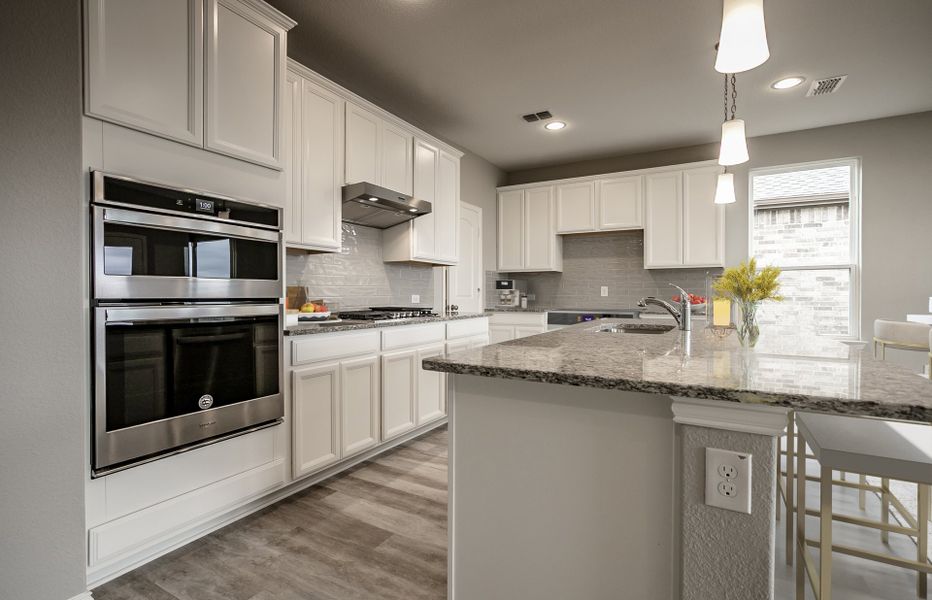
(209, 339)
(166, 313)
(153, 220)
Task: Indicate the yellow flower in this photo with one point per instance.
(745, 284)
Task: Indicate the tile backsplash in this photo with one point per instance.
(356, 277)
(590, 261)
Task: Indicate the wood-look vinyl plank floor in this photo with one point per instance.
(377, 531)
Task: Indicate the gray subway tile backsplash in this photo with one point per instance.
(590, 261)
(356, 277)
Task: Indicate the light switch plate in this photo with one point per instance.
(604, 291)
(930, 304)
(415, 299)
(728, 479)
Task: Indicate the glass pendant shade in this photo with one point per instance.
(725, 190)
(734, 149)
(742, 44)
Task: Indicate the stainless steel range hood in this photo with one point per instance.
(374, 206)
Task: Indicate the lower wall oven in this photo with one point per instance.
(171, 377)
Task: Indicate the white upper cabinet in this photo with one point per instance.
(363, 152)
(663, 227)
(429, 238)
(576, 207)
(620, 203)
(313, 162)
(527, 236)
(703, 220)
(396, 158)
(210, 73)
(144, 66)
(683, 227)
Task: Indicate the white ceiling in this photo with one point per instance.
(627, 76)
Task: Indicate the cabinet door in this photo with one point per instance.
(539, 230)
(363, 145)
(576, 207)
(291, 159)
(446, 209)
(245, 77)
(620, 201)
(396, 158)
(144, 65)
(501, 333)
(703, 220)
(431, 387)
(361, 404)
(663, 225)
(322, 167)
(522, 331)
(511, 230)
(424, 229)
(399, 392)
(457, 346)
(316, 411)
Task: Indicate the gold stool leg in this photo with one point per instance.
(825, 535)
(862, 493)
(922, 551)
(885, 509)
(800, 518)
(791, 441)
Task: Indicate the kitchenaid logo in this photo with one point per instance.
(207, 424)
(205, 401)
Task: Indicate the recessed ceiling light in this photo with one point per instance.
(373, 199)
(412, 210)
(555, 125)
(787, 82)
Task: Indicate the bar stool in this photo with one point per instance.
(888, 449)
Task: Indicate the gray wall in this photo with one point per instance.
(43, 388)
(478, 180)
(896, 156)
(613, 259)
(356, 277)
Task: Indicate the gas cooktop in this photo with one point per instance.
(385, 313)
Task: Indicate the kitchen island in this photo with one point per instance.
(577, 457)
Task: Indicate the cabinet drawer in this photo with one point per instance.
(467, 328)
(331, 346)
(414, 335)
(519, 318)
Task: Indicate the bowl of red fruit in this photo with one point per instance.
(696, 302)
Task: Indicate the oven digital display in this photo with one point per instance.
(204, 206)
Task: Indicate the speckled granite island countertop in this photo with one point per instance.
(348, 325)
(811, 373)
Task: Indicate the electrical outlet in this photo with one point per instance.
(415, 299)
(604, 291)
(728, 479)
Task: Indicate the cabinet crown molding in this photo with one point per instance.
(598, 176)
(270, 12)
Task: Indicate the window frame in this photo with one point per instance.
(854, 216)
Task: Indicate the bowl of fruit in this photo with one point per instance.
(313, 311)
(696, 302)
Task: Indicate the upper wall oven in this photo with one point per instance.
(152, 242)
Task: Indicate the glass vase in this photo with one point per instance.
(748, 330)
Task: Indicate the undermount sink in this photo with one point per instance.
(636, 328)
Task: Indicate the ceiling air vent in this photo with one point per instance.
(540, 116)
(828, 85)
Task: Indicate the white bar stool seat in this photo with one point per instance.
(889, 449)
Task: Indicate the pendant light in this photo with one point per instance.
(725, 190)
(734, 148)
(743, 40)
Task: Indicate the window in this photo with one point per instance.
(805, 221)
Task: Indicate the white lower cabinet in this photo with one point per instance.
(431, 387)
(506, 326)
(399, 392)
(501, 333)
(361, 404)
(316, 392)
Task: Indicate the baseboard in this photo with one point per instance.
(82, 596)
(107, 572)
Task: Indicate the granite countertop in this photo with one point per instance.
(348, 325)
(806, 373)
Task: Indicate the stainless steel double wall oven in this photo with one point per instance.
(187, 319)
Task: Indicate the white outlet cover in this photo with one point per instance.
(415, 299)
(604, 291)
(719, 462)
